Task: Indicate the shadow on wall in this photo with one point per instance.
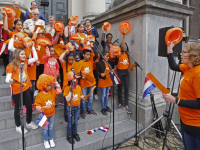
(115, 3)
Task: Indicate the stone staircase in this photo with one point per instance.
(11, 140)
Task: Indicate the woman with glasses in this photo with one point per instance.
(189, 96)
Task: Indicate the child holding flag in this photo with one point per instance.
(45, 102)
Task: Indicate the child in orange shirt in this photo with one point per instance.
(86, 68)
(122, 70)
(105, 82)
(13, 77)
(66, 65)
(77, 95)
(45, 102)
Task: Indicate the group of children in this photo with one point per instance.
(45, 66)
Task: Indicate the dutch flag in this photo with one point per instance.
(148, 87)
(91, 131)
(116, 80)
(104, 129)
(42, 121)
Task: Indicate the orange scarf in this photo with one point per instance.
(18, 13)
(88, 28)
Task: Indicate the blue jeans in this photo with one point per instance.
(104, 97)
(65, 106)
(32, 91)
(86, 91)
(75, 113)
(48, 132)
(10, 56)
(190, 142)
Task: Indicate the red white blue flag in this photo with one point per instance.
(116, 79)
(42, 121)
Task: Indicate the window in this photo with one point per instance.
(108, 3)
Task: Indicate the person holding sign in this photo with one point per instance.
(189, 96)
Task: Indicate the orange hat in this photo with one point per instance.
(115, 51)
(74, 37)
(74, 20)
(10, 12)
(59, 26)
(173, 35)
(87, 47)
(18, 39)
(91, 38)
(108, 26)
(43, 41)
(125, 26)
(27, 41)
(69, 46)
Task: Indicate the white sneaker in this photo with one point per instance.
(95, 97)
(32, 125)
(36, 93)
(52, 143)
(19, 130)
(46, 144)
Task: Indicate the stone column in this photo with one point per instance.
(94, 8)
(146, 18)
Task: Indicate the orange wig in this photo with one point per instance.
(44, 80)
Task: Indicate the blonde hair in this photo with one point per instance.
(16, 59)
(194, 52)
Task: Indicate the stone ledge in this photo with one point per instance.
(22, 6)
(133, 8)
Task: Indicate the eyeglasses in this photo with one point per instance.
(36, 14)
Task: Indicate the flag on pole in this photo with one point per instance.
(42, 121)
(116, 79)
(148, 87)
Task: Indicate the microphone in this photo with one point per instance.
(21, 66)
(116, 41)
(72, 69)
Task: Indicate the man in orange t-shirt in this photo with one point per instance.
(88, 81)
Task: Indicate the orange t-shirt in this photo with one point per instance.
(77, 93)
(42, 100)
(190, 90)
(65, 71)
(16, 76)
(86, 68)
(82, 35)
(123, 62)
(40, 54)
(107, 82)
(32, 72)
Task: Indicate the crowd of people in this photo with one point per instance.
(48, 56)
(48, 67)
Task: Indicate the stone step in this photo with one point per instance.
(2, 79)
(10, 139)
(123, 130)
(7, 117)
(4, 90)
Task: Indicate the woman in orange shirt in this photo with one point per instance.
(189, 95)
(122, 70)
(13, 77)
(45, 102)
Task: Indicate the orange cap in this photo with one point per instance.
(87, 47)
(108, 26)
(173, 35)
(27, 41)
(18, 39)
(10, 12)
(69, 76)
(91, 38)
(125, 26)
(43, 41)
(74, 37)
(74, 20)
(59, 26)
(69, 46)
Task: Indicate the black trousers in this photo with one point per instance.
(124, 77)
(39, 71)
(97, 80)
(27, 102)
(5, 60)
(61, 73)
